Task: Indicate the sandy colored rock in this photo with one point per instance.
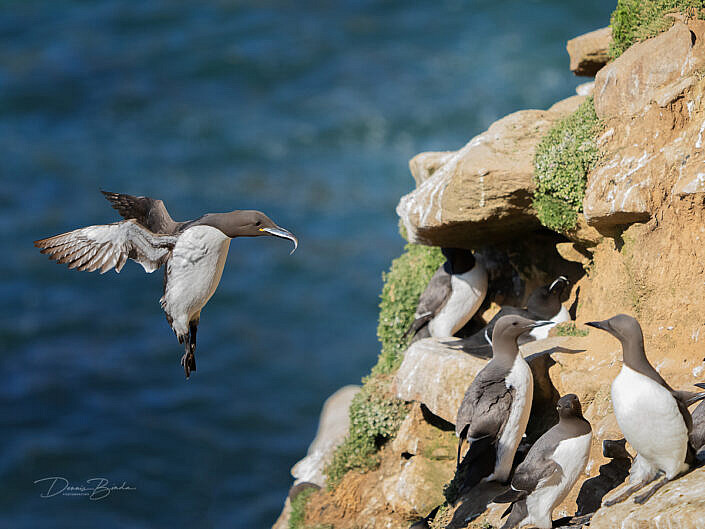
(332, 429)
(568, 105)
(651, 72)
(658, 151)
(679, 504)
(481, 192)
(589, 52)
(436, 374)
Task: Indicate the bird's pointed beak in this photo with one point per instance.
(599, 325)
(540, 323)
(284, 234)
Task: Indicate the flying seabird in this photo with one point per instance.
(194, 253)
(452, 296)
(653, 417)
(544, 304)
(551, 468)
(496, 406)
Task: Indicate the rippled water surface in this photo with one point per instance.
(306, 110)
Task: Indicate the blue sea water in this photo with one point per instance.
(306, 110)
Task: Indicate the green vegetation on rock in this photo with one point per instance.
(403, 284)
(635, 20)
(298, 508)
(375, 417)
(570, 329)
(562, 161)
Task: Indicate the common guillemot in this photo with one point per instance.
(544, 304)
(551, 468)
(496, 406)
(452, 296)
(194, 253)
(653, 417)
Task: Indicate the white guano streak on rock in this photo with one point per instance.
(699, 142)
(432, 189)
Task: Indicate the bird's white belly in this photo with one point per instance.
(522, 381)
(194, 272)
(541, 333)
(649, 418)
(572, 456)
(468, 291)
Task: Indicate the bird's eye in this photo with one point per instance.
(258, 223)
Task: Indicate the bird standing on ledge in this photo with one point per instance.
(194, 253)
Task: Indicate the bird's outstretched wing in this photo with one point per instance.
(109, 246)
(148, 212)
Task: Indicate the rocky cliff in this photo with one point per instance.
(634, 244)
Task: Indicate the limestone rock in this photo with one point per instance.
(654, 71)
(589, 52)
(418, 487)
(436, 373)
(680, 503)
(332, 429)
(652, 101)
(567, 105)
(480, 193)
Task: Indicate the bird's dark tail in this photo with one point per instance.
(417, 324)
(511, 496)
(690, 397)
(518, 513)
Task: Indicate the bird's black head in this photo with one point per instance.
(569, 406)
(545, 301)
(512, 326)
(248, 223)
(460, 260)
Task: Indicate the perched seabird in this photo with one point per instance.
(544, 304)
(653, 417)
(496, 406)
(194, 253)
(551, 468)
(452, 296)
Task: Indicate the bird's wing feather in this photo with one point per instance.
(148, 212)
(537, 466)
(436, 294)
(108, 246)
(485, 406)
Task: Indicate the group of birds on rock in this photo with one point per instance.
(193, 254)
(494, 412)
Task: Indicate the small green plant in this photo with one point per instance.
(569, 329)
(403, 284)
(375, 417)
(635, 20)
(298, 508)
(562, 161)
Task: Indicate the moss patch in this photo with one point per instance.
(298, 509)
(569, 329)
(403, 285)
(375, 417)
(635, 20)
(562, 161)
